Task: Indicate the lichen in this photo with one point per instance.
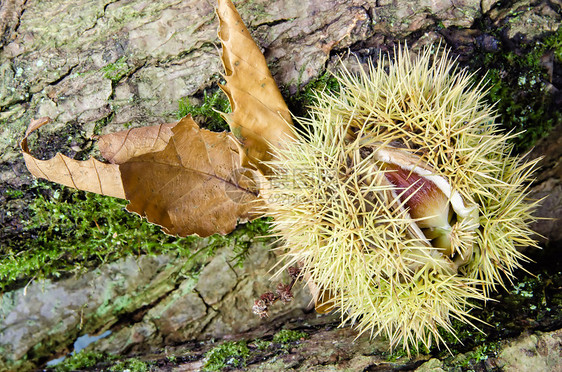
(117, 70)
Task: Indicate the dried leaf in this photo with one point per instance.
(193, 186)
(121, 146)
(323, 299)
(183, 178)
(259, 113)
(89, 175)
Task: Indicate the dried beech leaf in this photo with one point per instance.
(89, 175)
(259, 113)
(121, 146)
(193, 186)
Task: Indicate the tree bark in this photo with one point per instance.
(105, 65)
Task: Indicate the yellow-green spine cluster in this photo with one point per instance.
(348, 198)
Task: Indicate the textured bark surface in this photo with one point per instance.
(101, 65)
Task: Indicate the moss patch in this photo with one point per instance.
(528, 304)
(395, 355)
(240, 240)
(519, 86)
(286, 336)
(91, 360)
(69, 231)
(117, 70)
(65, 231)
(207, 113)
(238, 354)
(130, 365)
(531, 303)
(83, 360)
(228, 354)
(480, 354)
(307, 95)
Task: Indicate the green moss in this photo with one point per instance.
(518, 85)
(530, 298)
(68, 231)
(480, 354)
(551, 43)
(13, 193)
(228, 354)
(395, 355)
(307, 95)
(261, 345)
(81, 360)
(286, 336)
(99, 124)
(130, 365)
(555, 43)
(89, 359)
(207, 113)
(117, 70)
(241, 239)
(172, 359)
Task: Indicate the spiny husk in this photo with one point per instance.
(350, 229)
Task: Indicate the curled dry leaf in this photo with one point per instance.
(88, 175)
(260, 118)
(259, 115)
(179, 176)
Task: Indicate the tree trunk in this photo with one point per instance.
(101, 66)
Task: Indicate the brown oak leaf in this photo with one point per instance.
(260, 116)
(193, 186)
